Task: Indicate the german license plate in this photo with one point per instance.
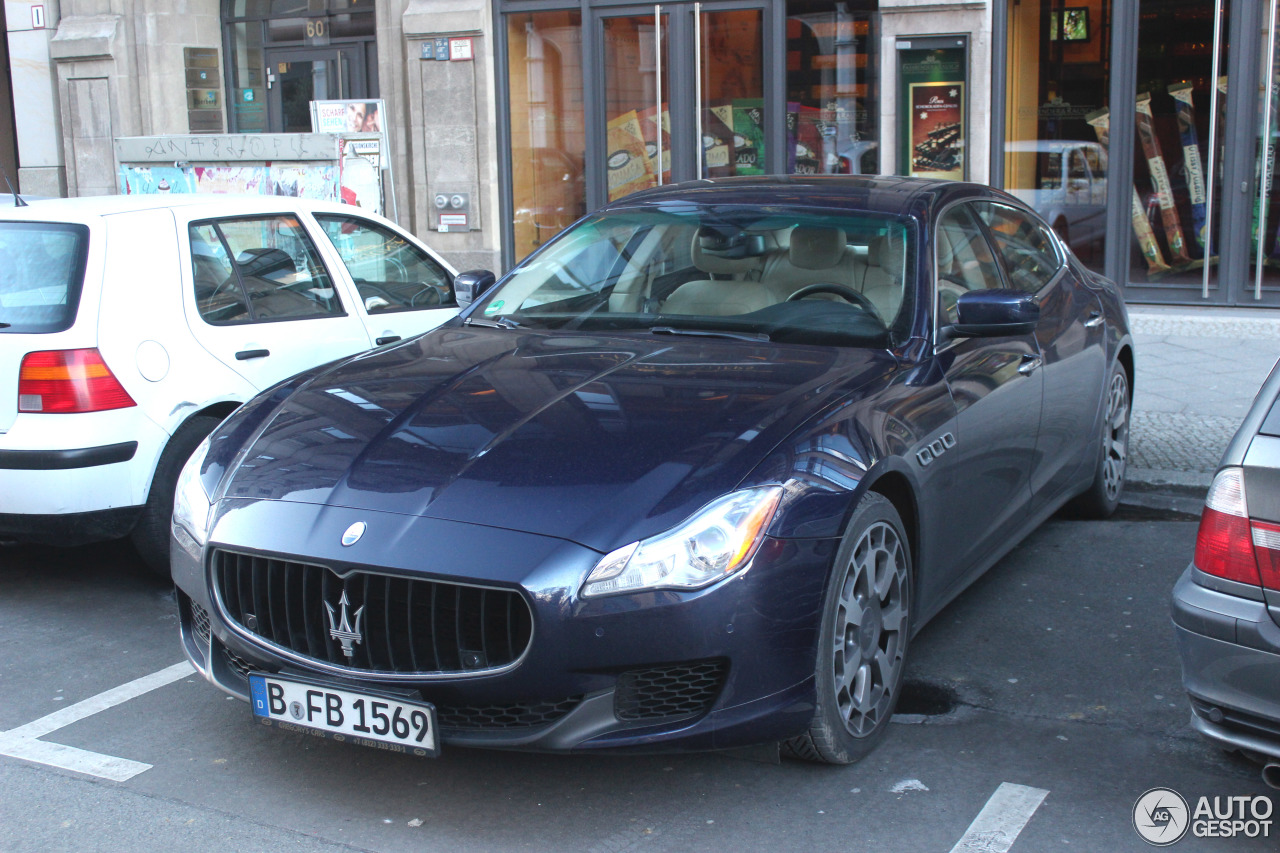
(367, 719)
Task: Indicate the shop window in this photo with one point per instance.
(1058, 117)
(548, 142)
(833, 90)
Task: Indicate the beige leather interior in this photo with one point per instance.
(808, 255)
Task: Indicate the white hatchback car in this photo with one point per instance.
(130, 326)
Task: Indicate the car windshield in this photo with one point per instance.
(41, 273)
(788, 275)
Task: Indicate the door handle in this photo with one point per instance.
(246, 354)
(1029, 364)
(1095, 320)
(386, 339)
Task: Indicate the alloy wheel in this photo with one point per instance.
(869, 639)
(1115, 435)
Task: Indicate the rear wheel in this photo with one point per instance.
(862, 646)
(1103, 494)
(151, 533)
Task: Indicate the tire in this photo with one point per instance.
(151, 534)
(862, 644)
(1103, 495)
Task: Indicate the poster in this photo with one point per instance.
(318, 180)
(228, 179)
(156, 180)
(657, 138)
(717, 141)
(933, 121)
(347, 116)
(937, 130)
(360, 163)
(628, 162)
(804, 139)
(364, 154)
(748, 136)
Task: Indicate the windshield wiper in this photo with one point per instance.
(499, 323)
(711, 333)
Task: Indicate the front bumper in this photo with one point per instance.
(1230, 650)
(726, 666)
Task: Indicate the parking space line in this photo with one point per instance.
(23, 742)
(1001, 820)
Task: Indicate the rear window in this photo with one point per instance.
(41, 274)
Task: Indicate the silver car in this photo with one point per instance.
(1226, 605)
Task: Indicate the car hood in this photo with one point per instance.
(594, 439)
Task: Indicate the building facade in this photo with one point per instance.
(534, 112)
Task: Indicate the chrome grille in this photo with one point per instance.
(405, 625)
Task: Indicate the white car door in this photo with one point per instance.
(262, 301)
(403, 288)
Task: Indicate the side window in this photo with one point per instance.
(964, 260)
(391, 273)
(1024, 245)
(258, 270)
(218, 293)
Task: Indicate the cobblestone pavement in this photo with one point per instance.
(1197, 372)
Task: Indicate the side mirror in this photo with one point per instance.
(470, 285)
(993, 314)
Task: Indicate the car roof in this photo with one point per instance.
(880, 193)
(84, 208)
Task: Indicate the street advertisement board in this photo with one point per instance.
(933, 121)
(365, 171)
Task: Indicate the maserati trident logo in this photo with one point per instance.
(353, 533)
(340, 627)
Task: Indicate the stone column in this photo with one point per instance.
(452, 140)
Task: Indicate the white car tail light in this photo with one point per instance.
(69, 382)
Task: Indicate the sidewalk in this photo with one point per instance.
(1197, 372)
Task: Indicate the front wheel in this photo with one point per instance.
(862, 645)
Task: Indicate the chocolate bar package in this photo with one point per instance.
(1101, 123)
(1160, 182)
(1191, 160)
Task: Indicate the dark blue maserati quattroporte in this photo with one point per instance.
(690, 476)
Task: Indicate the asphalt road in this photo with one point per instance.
(1055, 677)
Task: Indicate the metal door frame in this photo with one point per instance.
(272, 56)
(681, 29)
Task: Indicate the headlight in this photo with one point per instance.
(713, 543)
(191, 504)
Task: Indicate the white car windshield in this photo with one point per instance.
(785, 275)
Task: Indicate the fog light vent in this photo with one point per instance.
(675, 691)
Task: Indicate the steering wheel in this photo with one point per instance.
(432, 295)
(848, 294)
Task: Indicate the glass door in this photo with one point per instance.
(295, 78)
(1263, 283)
(682, 94)
(1179, 150)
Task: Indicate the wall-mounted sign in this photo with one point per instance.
(204, 97)
(364, 157)
(933, 119)
(460, 50)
